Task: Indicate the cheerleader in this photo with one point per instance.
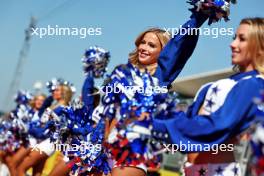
(129, 113)
(17, 140)
(222, 110)
(40, 152)
(79, 122)
(37, 104)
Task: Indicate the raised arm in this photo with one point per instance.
(47, 103)
(87, 91)
(178, 50)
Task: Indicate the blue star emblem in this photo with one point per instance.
(219, 171)
(209, 103)
(235, 170)
(202, 172)
(215, 90)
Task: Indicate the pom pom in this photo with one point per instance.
(131, 97)
(216, 9)
(256, 137)
(167, 104)
(76, 128)
(23, 97)
(55, 82)
(95, 61)
(14, 132)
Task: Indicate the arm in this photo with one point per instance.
(47, 103)
(39, 132)
(236, 115)
(87, 90)
(177, 51)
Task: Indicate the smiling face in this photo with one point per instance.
(39, 101)
(149, 49)
(57, 93)
(240, 48)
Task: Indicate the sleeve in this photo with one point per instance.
(178, 50)
(87, 90)
(236, 115)
(37, 131)
(47, 103)
(59, 110)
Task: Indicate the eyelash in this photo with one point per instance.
(150, 44)
(240, 38)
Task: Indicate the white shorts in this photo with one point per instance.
(32, 142)
(223, 169)
(46, 146)
(4, 170)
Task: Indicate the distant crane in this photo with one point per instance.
(15, 84)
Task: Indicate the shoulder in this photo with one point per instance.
(251, 83)
(58, 109)
(123, 67)
(247, 88)
(203, 89)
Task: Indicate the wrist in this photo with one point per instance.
(199, 16)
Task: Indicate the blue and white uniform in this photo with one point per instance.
(229, 107)
(178, 50)
(40, 130)
(131, 141)
(228, 111)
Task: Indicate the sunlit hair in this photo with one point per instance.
(162, 35)
(32, 103)
(66, 94)
(256, 42)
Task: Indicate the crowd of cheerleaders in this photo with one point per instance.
(82, 124)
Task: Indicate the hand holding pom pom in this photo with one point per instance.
(95, 61)
(215, 9)
(55, 82)
(23, 97)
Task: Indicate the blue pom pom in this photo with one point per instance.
(219, 3)
(95, 61)
(55, 82)
(215, 9)
(23, 97)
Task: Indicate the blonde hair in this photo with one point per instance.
(66, 94)
(163, 37)
(256, 42)
(32, 103)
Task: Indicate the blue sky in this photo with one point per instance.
(120, 22)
